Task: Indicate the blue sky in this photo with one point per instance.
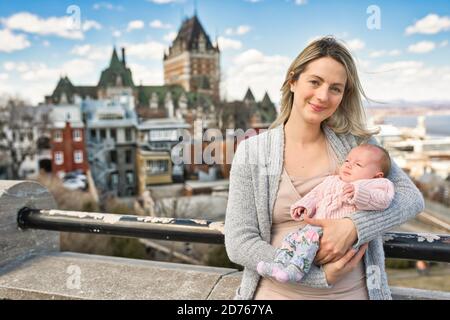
(406, 58)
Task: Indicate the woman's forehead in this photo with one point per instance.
(327, 69)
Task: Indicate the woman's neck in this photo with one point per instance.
(301, 132)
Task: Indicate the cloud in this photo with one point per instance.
(260, 72)
(431, 24)
(253, 1)
(355, 44)
(92, 52)
(240, 30)
(116, 33)
(407, 80)
(10, 42)
(91, 24)
(46, 43)
(444, 43)
(150, 50)
(147, 75)
(384, 53)
(58, 26)
(135, 25)
(226, 43)
(170, 36)
(16, 66)
(157, 24)
(301, 2)
(422, 47)
(107, 6)
(4, 76)
(36, 79)
(163, 1)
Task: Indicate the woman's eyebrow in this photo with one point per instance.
(321, 79)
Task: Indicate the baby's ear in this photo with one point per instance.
(379, 175)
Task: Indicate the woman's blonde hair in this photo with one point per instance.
(349, 116)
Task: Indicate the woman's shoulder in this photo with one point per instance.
(260, 145)
(348, 138)
(262, 138)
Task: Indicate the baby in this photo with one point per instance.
(360, 185)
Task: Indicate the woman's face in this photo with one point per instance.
(319, 90)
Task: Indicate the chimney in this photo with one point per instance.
(123, 57)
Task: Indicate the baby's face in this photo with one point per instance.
(361, 163)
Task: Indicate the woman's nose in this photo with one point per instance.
(322, 92)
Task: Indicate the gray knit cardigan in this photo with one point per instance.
(254, 181)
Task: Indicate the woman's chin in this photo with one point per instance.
(314, 119)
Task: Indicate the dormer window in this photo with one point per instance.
(119, 82)
(154, 101)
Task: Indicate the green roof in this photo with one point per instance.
(249, 95)
(116, 68)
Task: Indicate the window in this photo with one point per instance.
(77, 135)
(113, 156)
(155, 167)
(102, 134)
(128, 134)
(130, 177)
(163, 135)
(30, 136)
(113, 134)
(114, 179)
(57, 136)
(93, 134)
(59, 157)
(128, 156)
(78, 156)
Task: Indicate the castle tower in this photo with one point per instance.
(193, 61)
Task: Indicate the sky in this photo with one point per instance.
(401, 47)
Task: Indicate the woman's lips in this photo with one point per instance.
(316, 107)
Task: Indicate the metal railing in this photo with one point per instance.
(413, 246)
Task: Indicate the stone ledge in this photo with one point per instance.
(101, 277)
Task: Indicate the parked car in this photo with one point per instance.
(75, 180)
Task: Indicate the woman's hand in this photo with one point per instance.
(338, 237)
(336, 270)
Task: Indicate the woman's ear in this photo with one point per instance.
(292, 81)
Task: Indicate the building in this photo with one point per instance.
(192, 61)
(68, 140)
(154, 167)
(111, 141)
(248, 113)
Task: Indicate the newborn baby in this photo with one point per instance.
(360, 185)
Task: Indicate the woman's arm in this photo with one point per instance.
(407, 203)
(243, 241)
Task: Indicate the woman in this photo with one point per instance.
(321, 120)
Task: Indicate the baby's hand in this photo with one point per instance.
(348, 191)
(298, 213)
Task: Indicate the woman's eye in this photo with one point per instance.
(337, 90)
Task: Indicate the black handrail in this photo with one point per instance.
(429, 247)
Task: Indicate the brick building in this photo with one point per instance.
(68, 141)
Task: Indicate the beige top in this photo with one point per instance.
(352, 286)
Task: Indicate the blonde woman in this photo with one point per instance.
(321, 120)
